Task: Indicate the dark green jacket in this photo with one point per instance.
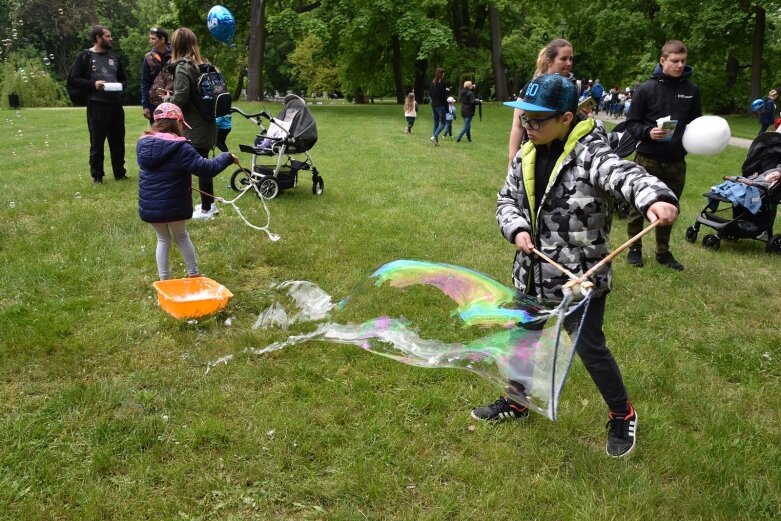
(204, 132)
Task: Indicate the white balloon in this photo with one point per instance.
(706, 135)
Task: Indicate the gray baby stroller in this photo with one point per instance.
(292, 132)
(745, 206)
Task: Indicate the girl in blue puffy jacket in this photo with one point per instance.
(166, 160)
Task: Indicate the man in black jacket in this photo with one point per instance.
(99, 72)
(668, 92)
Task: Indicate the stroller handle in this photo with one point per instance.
(762, 186)
(236, 110)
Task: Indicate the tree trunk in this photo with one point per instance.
(360, 97)
(420, 80)
(257, 47)
(398, 80)
(756, 54)
(500, 78)
(732, 70)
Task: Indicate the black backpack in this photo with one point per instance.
(213, 99)
(78, 95)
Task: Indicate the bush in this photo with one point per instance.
(32, 82)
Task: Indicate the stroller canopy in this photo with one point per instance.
(302, 124)
(763, 154)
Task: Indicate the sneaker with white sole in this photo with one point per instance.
(502, 409)
(198, 213)
(621, 433)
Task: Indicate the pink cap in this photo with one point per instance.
(169, 111)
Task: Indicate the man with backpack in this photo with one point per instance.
(156, 80)
(97, 78)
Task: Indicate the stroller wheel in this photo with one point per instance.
(774, 245)
(317, 185)
(691, 235)
(240, 179)
(711, 242)
(268, 188)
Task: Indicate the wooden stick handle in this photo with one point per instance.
(618, 250)
(561, 268)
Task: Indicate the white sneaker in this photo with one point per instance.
(198, 213)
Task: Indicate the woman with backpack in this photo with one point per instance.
(185, 60)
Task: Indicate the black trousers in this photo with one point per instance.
(205, 184)
(592, 349)
(106, 121)
(222, 135)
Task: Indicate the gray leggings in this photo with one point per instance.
(179, 231)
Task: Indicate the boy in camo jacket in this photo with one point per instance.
(557, 196)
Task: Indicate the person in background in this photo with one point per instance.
(224, 125)
(557, 197)
(438, 93)
(767, 114)
(167, 160)
(554, 58)
(185, 59)
(451, 116)
(157, 81)
(468, 103)
(410, 111)
(92, 71)
(667, 93)
(597, 91)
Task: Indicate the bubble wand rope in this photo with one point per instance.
(271, 235)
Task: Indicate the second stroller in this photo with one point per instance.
(745, 206)
(292, 132)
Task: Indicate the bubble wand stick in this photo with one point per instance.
(583, 278)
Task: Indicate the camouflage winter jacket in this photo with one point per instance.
(572, 221)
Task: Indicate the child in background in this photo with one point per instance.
(166, 159)
(557, 198)
(451, 116)
(223, 129)
(410, 111)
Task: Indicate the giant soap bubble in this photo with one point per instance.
(706, 136)
(221, 24)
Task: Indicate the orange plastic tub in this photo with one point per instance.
(191, 298)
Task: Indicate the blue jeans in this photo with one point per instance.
(448, 128)
(466, 130)
(439, 120)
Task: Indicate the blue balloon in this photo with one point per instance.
(757, 104)
(221, 24)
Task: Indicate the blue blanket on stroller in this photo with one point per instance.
(740, 194)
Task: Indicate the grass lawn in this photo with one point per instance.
(106, 411)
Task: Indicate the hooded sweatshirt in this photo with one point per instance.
(164, 184)
(661, 96)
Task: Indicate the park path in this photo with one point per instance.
(734, 141)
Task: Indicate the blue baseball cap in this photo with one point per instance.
(548, 93)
